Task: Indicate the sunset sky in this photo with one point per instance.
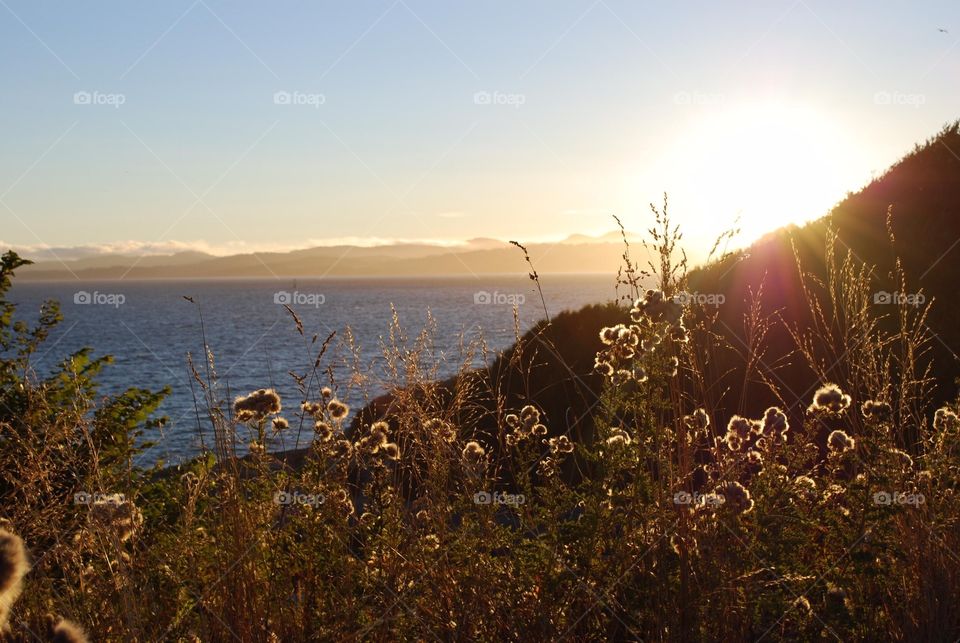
(229, 126)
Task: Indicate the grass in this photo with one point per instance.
(474, 509)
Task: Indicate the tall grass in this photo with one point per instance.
(463, 510)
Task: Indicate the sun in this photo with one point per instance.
(767, 165)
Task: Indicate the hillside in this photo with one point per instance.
(923, 190)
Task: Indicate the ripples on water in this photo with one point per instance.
(255, 342)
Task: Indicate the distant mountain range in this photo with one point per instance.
(577, 253)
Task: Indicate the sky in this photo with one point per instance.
(236, 126)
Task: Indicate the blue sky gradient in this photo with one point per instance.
(451, 120)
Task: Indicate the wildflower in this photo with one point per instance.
(877, 411)
(257, 405)
(326, 392)
(648, 344)
(312, 408)
(343, 448)
(256, 448)
(734, 442)
(376, 437)
(603, 367)
(323, 430)
(736, 496)
(529, 415)
(443, 429)
(622, 376)
(698, 421)
(279, 424)
(608, 335)
(538, 429)
(391, 451)
(116, 514)
(13, 567)
(657, 307)
(775, 424)
(740, 426)
(547, 468)
(64, 631)
(754, 457)
(678, 333)
(190, 480)
(803, 605)
(840, 441)
(618, 437)
(639, 374)
(945, 420)
(473, 453)
(431, 542)
(805, 481)
(512, 420)
(903, 458)
(831, 399)
(337, 409)
(560, 444)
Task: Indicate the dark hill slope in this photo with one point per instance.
(923, 190)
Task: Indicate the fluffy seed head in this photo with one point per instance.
(473, 453)
(736, 496)
(840, 441)
(337, 409)
(831, 399)
(257, 405)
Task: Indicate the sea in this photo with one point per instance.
(150, 327)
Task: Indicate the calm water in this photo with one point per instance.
(149, 328)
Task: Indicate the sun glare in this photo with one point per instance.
(769, 165)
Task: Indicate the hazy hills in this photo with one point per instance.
(578, 253)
